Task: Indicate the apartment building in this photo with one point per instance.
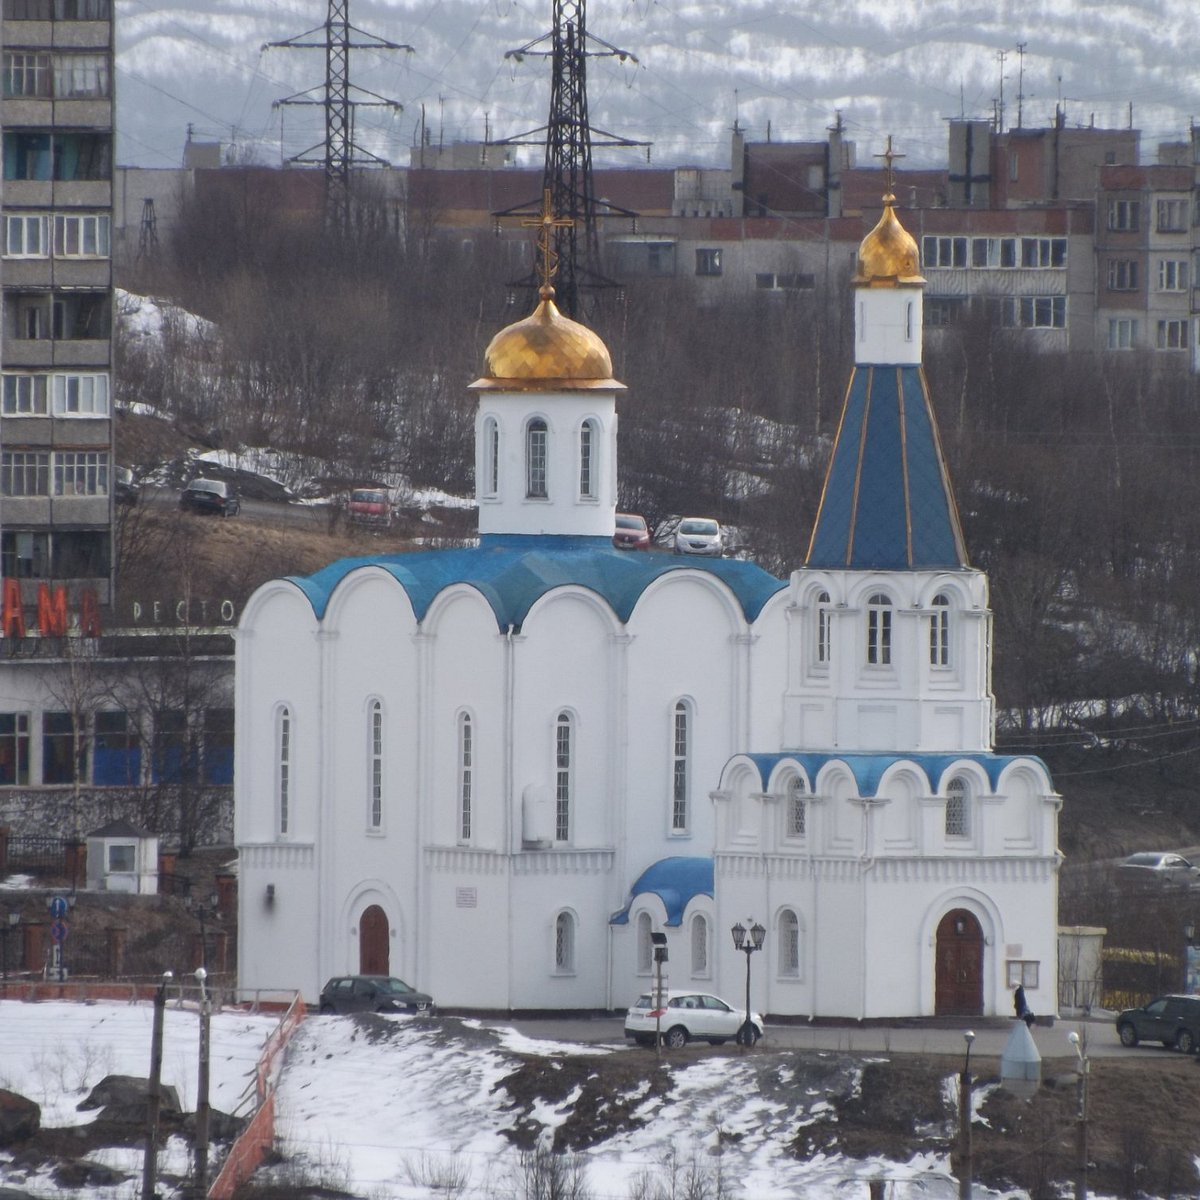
(56, 429)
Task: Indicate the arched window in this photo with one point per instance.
(789, 944)
(564, 943)
(283, 769)
(645, 945)
(939, 632)
(796, 807)
(824, 646)
(879, 630)
(680, 748)
(536, 437)
(699, 945)
(375, 788)
(589, 443)
(466, 767)
(958, 814)
(563, 777)
(491, 457)
(908, 321)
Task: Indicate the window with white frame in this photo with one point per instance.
(824, 643)
(81, 473)
(943, 252)
(563, 781)
(564, 943)
(789, 944)
(1122, 274)
(1043, 252)
(82, 235)
(375, 786)
(1172, 215)
(939, 632)
(24, 473)
(708, 261)
(879, 630)
(699, 945)
(994, 252)
(958, 814)
(645, 944)
(25, 395)
(1122, 333)
(1035, 312)
(82, 77)
(466, 775)
(536, 444)
(588, 445)
(25, 236)
(680, 746)
(1123, 215)
(1173, 335)
(81, 396)
(1173, 275)
(27, 73)
(1022, 972)
(797, 807)
(491, 457)
(283, 769)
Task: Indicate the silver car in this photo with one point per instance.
(1160, 866)
(699, 535)
(688, 1016)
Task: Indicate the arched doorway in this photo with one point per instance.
(373, 942)
(958, 983)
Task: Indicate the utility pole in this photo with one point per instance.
(1001, 55)
(154, 1099)
(202, 1106)
(1020, 79)
(339, 150)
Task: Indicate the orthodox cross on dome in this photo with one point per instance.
(889, 156)
(546, 224)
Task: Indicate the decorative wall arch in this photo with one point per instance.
(985, 910)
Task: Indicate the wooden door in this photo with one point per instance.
(373, 942)
(958, 984)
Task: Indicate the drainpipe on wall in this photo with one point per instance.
(509, 688)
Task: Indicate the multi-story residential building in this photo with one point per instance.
(56, 430)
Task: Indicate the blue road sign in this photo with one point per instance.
(58, 931)
(58, 907)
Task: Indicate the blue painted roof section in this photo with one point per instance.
(513, 572)
(887, 503)
(868, 769)
(675, 881)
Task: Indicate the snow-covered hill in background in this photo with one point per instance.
(890, 68)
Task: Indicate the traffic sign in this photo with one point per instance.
(58, 907)
(58, 931)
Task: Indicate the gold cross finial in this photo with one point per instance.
(889, 156)
(546, 224)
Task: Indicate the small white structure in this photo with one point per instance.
(122, 858)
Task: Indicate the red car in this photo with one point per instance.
(631, 533)
(370, 507)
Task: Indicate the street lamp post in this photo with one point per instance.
(153, 1099)
(205, 911)
(202, 1107)
(748, 947)
(1081, 1116)
(10, 926)
(964, 1121)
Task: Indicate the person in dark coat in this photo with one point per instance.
(1020, 1008)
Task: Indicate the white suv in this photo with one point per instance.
(688, 1016)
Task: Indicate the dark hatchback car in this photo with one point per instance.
(1172, 1020)
(373, 993)
(210, 496)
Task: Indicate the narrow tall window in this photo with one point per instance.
(375, 797)
(587, 460)
(796, 807)
(645, 944)
(562, 778)
(824, 629)
(958, 820)
(564, 942)
(535, 459)
(789, 944)
(283, 768)
(491, 457)
(679, 770)
(879, 630)
(908, 321)
(699, 945)
(466, 769)
(939, 632)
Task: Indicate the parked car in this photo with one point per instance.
(688, 1016)
(1172, 1020)
(699, 535)
(126, 489)
(631, 533)
(374, 993)
(1160, 866)
(370, 507)
(210, 496)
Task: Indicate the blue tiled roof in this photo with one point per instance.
(675, 881)
(887, 503)
(868, 769)
(513, 572)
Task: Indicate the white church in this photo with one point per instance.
(498, 771)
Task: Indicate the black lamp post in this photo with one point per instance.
(205, 911)
(10, 926)
(748, 946)
(965, 1167)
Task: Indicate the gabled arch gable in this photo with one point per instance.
(694, 576)
(355, 581)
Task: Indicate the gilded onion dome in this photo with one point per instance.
(888, 254)
(546, 352)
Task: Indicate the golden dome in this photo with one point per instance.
(888, 254)
(547, 351)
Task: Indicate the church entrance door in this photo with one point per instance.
(373, 942)
(958, 984)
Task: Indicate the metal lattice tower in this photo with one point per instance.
(568, 137)
(148, 233)
(340, 152)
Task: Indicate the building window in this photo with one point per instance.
(941, 311)
(26, 395)
(680, 745)
(121, 859)
(1122, 333)
(958, 818)
(117, 759)
(26, 73)
(82, 77)
(87, 235)
(770, 281)
(283, 770)
(1122, 275)
(81, 473)
(564, 943)
(1014, 167)
(1021, 973)
(24, 473)
(588, 445)
(562, 777)
(939, 632)
(789, 944)
(217, 768)
(1043, 252)
(61, 761)
(997, 252)
(1172, 275)
(1173, 335)
(1172, 216)
(466, 776)
(59, 156)
(708, 262)
(797, 805)
(699, 945)
(25, 237)
(24, 554)
(14, 748)
(375, 768)
(645, 944)
(879, 630)
(944, 252)
(1035, 312)
(824, 639)
(491, 457)
(171, 761)
(1123, 215)
(536, 435)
